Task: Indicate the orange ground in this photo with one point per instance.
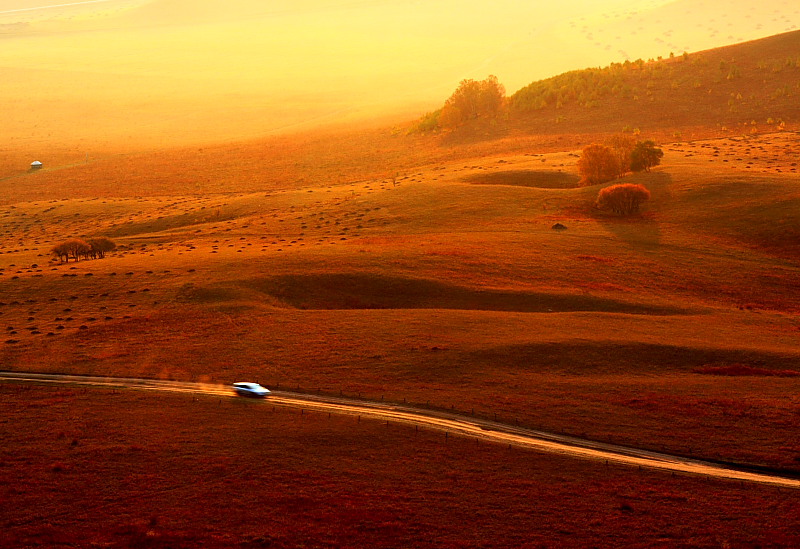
(435, 289)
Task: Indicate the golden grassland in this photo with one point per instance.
(389, 265)
(436, 289)
(97, 467)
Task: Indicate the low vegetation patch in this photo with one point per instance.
(725, 87)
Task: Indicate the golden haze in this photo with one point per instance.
(118, 74)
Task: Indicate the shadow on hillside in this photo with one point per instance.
(619, 357)
(526, 178)
(640, 231)
(352, 291)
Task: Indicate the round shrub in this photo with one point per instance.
(622, 199)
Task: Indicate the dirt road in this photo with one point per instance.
(450, 423)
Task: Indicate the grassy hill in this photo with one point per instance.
(732, 89)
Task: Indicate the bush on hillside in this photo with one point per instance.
(598, 164)
(622, 199)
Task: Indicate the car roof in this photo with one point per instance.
(246, 384)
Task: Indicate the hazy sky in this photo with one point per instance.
(242, 68)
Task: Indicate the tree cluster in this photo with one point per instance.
(603, 163)
(77, 249)
(472, 99)
(622, 199)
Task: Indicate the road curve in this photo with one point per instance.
(452, 423)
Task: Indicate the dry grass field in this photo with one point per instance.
(97, 468)
(443, 291)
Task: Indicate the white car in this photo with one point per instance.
(247, 389)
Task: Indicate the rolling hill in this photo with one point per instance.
(735, 89)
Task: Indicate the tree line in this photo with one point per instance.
(622, 154)
(472, 99)
(77, 249)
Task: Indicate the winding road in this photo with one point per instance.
(451, 423)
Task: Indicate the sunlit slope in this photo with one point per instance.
(735, 89)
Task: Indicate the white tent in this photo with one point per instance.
(36, 164)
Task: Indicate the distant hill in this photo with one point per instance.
(753, 83)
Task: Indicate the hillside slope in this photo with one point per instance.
(739, 88)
